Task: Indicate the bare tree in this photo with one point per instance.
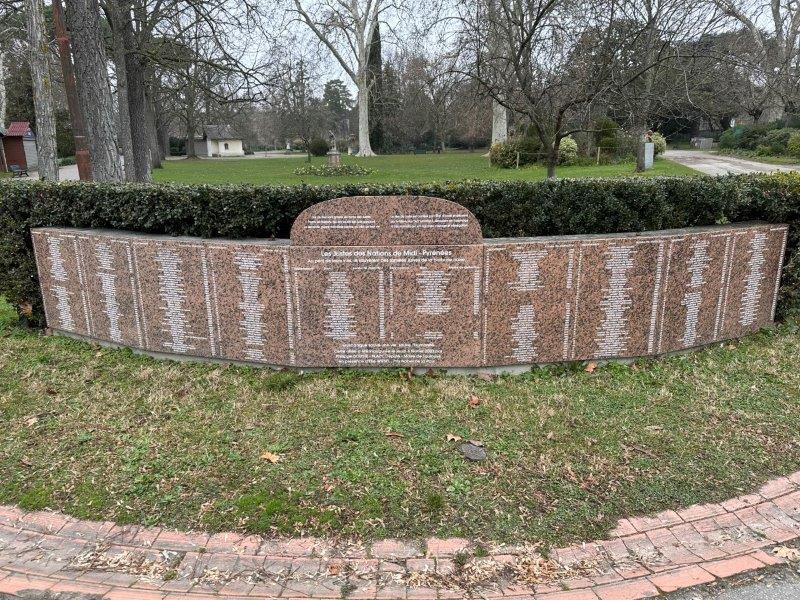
(94, 92)
(552, 62)
(346, 28)
(38, 55)
(774, 26)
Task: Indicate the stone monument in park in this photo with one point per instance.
(410, 281)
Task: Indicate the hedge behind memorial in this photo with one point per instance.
(505, 209)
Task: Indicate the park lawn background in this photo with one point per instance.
(407, 168)
(108, 434)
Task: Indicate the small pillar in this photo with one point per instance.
(334, 158)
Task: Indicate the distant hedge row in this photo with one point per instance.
(505, 209)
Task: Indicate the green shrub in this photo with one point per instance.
(608, 144)
(752, 137)
(504, 209)
(778, 139)
(529, 150)
(659, 143)
(568, 151)
(763, 150)
(730, 138)
(318, 147)
(328, 171)
(605, 133)
(503, 155)
(506, 154)
(793, 146)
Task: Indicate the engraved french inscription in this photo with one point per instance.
(175, 286)
(391, 305)
(409, 282)
(251, 302)
(529, 301)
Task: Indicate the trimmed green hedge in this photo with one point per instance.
(505, 209)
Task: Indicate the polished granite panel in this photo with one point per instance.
(409, 282)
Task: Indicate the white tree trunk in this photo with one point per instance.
(42, 91)
(94, 92)
(499, 122)
(364, 147)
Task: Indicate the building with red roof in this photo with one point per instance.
(19, 146)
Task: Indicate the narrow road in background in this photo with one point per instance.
(718, 164)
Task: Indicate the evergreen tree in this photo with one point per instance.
(338, 104)
(376, 99)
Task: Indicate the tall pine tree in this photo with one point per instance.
(376, 100)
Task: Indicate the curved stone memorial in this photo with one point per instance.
(410, 282)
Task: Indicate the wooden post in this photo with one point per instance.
(76, 116)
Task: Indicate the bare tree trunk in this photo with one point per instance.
(3, 102)
(42, 91)
(118, 19)
(499, 122)
(94, 93)
(152, 134)
(137, 111)
(552, 157)
(364, 147)
(162, 130)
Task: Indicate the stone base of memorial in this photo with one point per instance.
(410, 282)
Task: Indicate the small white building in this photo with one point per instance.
(218, 141)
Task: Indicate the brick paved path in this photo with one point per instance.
(644, 556)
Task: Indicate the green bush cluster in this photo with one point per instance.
(328, 171)
(527, 150)
(568, 151)
(318, 147)
(770, 139)
(793, 146)
(605, 134)
(516, 152)
(659, 143)
(504, 209)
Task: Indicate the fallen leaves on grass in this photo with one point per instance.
(474, 401)
(271, 457)
(453, 438)
(590, 367)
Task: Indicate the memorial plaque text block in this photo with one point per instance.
(393, 305)
(409, 282)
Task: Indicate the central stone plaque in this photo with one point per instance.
(387, 281)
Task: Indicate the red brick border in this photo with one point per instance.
(644, 557)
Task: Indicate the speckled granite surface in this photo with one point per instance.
(404, 281)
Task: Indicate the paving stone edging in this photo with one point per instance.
(643, 557)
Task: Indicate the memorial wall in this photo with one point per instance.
(410, 282)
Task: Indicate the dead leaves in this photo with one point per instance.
(474, 401)
(590, 367)
(271, 457)
(788, 553)
(453, 438)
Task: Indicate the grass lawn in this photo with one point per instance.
(388, 169)
(107, 434)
